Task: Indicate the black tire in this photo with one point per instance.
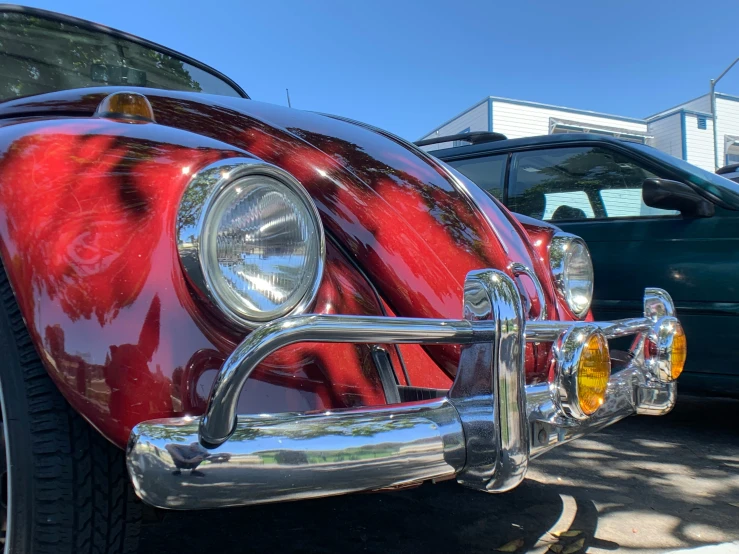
(69, 491)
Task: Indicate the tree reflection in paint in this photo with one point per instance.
(94, 218)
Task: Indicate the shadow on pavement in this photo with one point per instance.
(645, 485)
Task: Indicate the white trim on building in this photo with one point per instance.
(684, 131)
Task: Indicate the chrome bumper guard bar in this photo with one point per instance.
(484, 432)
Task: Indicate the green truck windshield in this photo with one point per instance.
(39, 55)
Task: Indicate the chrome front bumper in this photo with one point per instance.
(483, 432)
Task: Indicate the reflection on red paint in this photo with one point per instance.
(87, 211)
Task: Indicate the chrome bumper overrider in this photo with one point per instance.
(484, 432)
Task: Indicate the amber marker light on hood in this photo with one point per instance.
(130, 106)
(593, 373)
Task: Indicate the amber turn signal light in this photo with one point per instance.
(130, 106)
(666, 349)
(593, 373)
(679, 351)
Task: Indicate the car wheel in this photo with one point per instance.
(64, 488)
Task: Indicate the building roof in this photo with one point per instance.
(565, 109)
(534, 105)
(460, 114)
(674, 109)
(659, 115)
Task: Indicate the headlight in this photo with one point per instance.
(251, 240)
(572, 269)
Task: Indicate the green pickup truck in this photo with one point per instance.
(649, 219)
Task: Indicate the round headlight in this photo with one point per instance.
(572, 269)
(250, 238)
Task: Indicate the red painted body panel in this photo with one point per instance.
(87, 216)
(87, 212)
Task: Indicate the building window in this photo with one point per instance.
(702, 123)
(461, 142)
(732, 154)
(557, 126)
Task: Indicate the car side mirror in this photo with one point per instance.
(674, 195)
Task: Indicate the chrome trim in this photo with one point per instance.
(200, 195)
(629, 392)
(520, 269)
(489, 389)
(658, 303)
(655, 399)
(662, 335)
(568, 353)
(633, 390)
(659, 308)
(219, 421)
(281, 457)
(484, 432)
(548, 331)
(557, 247)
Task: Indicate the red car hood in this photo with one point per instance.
(414, 227)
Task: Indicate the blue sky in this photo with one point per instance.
(408, 66)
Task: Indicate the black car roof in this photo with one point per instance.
(513, 144)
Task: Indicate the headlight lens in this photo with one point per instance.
(259, 247)
(572, 269)
(256, 246)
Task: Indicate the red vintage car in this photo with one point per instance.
(209, 301)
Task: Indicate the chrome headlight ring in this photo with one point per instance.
(198, 234)
(567, 254)
(659, 347)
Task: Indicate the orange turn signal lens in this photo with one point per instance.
(679, 352)
(126, 105)
(593, 373)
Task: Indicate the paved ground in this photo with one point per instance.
(646, 485)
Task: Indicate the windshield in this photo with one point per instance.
(720, 187)
(39, 55)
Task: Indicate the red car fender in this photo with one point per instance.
(396, 211)
(87, 220)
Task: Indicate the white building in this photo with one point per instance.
(685, 131)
